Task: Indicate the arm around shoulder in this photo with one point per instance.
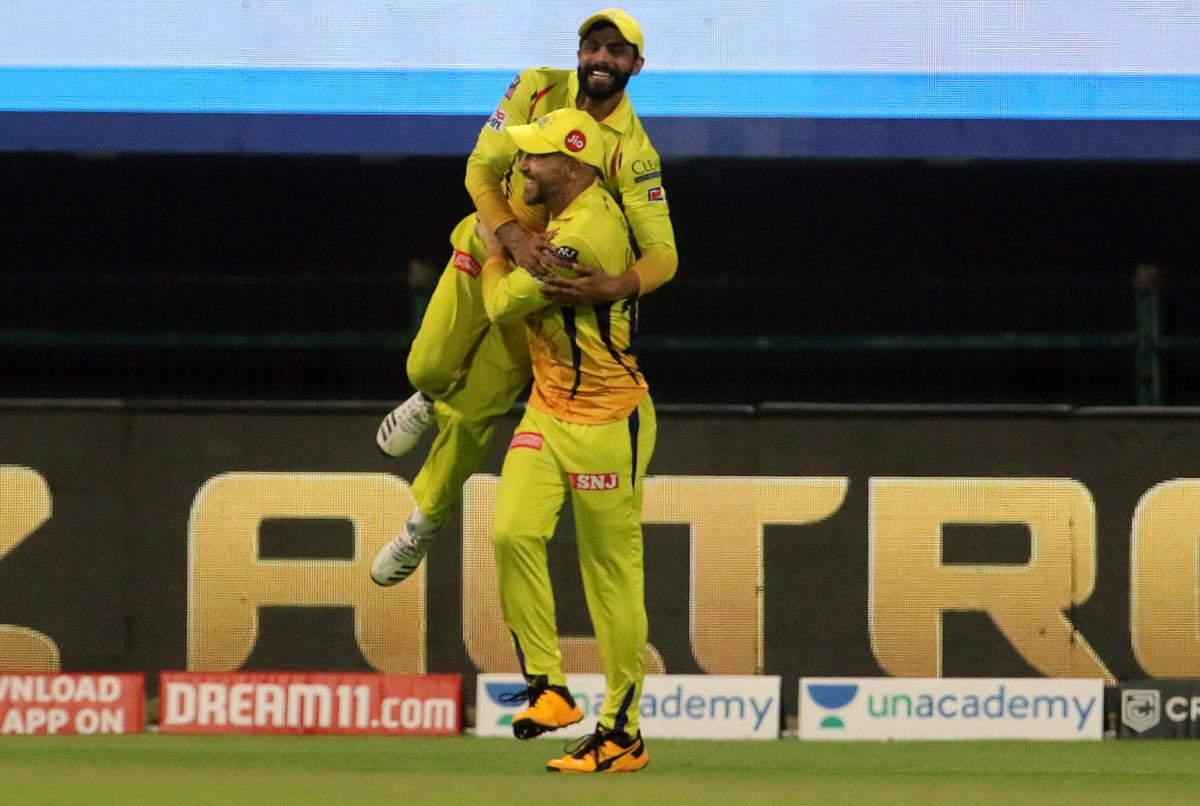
(656, 267)
(493, 153)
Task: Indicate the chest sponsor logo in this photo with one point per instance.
(465, 263)
(595, 481)
(496, 121)
(566, 253)
(526, 439)
(655, 194)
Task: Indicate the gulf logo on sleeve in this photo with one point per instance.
(526, 439)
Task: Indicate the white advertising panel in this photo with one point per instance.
(672, 707)
(950, 708)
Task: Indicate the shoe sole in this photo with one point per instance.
(602, 772)
(528, 729)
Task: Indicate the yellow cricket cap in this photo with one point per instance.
(626, 24)
(570, 131)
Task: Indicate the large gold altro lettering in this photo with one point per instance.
(725, 517)
(25, 505)
(1164, 580)
(228, 582)
(911, 588)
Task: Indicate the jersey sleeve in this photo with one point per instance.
(509, 292)
(494, 151)
(645, 202)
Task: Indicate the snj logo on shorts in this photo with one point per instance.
(526, 439)
(595, 481)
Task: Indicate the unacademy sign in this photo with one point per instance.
(672, 706)
(950, 708)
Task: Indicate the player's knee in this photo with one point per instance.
(425, 374)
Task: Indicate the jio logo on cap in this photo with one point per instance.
(575, 141)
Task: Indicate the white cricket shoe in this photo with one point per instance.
(402, 428)
(401, 555)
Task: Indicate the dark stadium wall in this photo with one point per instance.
(145, 538)
(779, 248)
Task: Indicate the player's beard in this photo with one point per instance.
(533, 194)
(619, 80)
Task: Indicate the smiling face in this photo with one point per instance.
(544, 175)
(606, 61)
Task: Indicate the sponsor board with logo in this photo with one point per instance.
(1153, 709)
(933, 558)
(71, 703)
(310, 703)
(950, 708)
(672, 706)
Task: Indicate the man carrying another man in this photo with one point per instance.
(588, 432)
(467, 370)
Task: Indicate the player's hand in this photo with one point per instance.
(591, 286)
(491, 244)
(528, 249)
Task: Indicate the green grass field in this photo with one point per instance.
(352, 770)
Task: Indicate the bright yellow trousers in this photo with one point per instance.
(473, 370)
(601, 468)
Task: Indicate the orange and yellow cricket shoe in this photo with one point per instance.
(603, 751)
(550, 708)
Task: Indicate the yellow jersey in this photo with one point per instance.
(632, 174)
(584, 368)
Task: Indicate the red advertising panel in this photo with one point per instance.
(310, 703)
(71, 703)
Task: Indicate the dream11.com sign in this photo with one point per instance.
(673, 706)
(950, 708)
(310, 703)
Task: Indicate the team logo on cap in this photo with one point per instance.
(575, 141)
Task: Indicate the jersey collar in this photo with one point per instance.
(579, 201)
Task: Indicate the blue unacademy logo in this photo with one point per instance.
(497, 690)
(833, 697)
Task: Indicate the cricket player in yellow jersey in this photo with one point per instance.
(468, 371)
(588, 432)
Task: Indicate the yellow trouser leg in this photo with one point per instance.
(597, 464)
(498, 371)
(473, 370)
(454, 320)
(528, 502)
(609, 528)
